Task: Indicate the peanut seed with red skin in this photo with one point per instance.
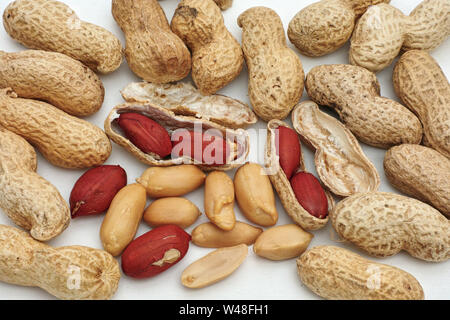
(310, 194)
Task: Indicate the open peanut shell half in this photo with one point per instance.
(283, 187)
(238, 140)
(184, 99)
(340, 162)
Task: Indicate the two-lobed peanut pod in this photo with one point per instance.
(28, 199)
(384, 31)
(52, 26)
(64, 140)
(70, 273)
(52, 77)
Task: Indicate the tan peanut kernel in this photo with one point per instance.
(254, 195)
(171, 181)
(171, 210)
(122, 219)
(219, 200)
(209, 235)
(282, 242)
(214, 267)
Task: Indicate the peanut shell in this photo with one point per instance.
(183, 99)
(383, 224)
(339, 274)
(422, 86)
(172, 122)
(70, 273)
(384, 31)
(276, 77)
(354, 93)
(52, 26)
(325, 26)
(420, 172)
(283, 186)
(28, 199)
(52, 77)
(64, 140)
(153, 51)
(340, 162)
(217, 57)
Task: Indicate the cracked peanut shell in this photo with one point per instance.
(340, 162)
(283, 186)
(184, 99)
(171, 122)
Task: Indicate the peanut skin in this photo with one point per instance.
(422, 86)
(52, 77)
(64, 140)
(217, 57)
(383, 224)
(153, 51)
(29, 200)
(420, 172)
(70, 273)
(325, 26)
(354, 93)
(52, 26)
(276, 77)
(383, 31)
(339, 274)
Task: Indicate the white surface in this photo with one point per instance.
(256, 278)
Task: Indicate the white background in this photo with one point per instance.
(256, 278)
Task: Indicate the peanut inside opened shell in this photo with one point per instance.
(237, 141)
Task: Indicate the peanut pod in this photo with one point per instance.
(64, 140)
(354, 93)
(70, 273)
(420, 172)
(29, 200)
(383, 31)
(52, 26)
(283, 186)
(383, 224)
(422, 86)
(339, 274)
(276, 77)
(238, 140)
(326, 25)
(153, 51)
(217, 57)
(52, 77)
